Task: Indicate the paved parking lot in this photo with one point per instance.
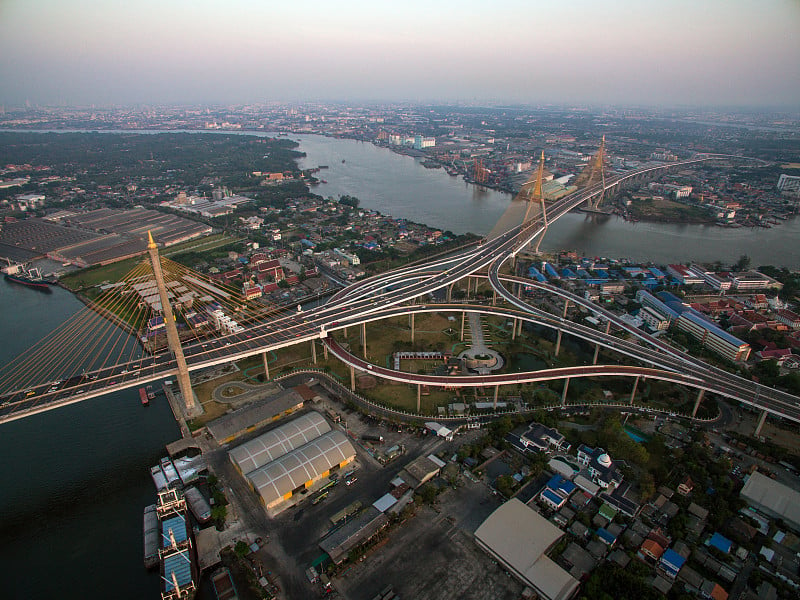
(433, 555)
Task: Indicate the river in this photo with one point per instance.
(398, 185)
(75, 480)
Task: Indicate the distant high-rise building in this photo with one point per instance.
(421, 142)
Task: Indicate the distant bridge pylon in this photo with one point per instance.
(535, 194)
(595, 173)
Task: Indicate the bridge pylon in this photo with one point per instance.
(191, 405)
(535, 194)
(597, 174)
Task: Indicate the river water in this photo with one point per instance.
(75, 480)
(398, 185)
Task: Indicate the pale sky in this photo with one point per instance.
(628, 52)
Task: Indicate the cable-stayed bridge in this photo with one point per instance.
(95, 352)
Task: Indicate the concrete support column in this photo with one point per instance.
(697, 402)
(566, 306)
(558, 343)
(596, 352)
(494, 298)
(352, 379)
(514, 329)
(325, 350)
(412, 328)
(496, 394)
(520, 287)
(364, 339)
(419, 396)
(314, 351)
(608, 327)
(520, 321)
(469, 287)
(449, 293)
(635, 385)
(761, 420)
(266, 366)
(564, 393)
(463, 318)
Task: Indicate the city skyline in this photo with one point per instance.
(716, 53)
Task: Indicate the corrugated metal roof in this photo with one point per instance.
(553, 497)
(178, 526)
(279, 477)
(273, 444)
(179, 564)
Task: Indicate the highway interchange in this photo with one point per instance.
(388, 294)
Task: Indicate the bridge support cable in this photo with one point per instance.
(68, 350)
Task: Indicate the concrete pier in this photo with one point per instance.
(697, 402)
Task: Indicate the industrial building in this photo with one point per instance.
(339, 543)
(291, 458)
(647, 300)
(774, 499)
(519, 537)
(712, 337)
(299, 469)
(275, 443)
(229, 426)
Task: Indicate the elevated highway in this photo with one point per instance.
(385, 295)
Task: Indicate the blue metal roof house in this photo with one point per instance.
(720, 542)
(606, 536)
(671, 562)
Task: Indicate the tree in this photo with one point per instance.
(241, 549)
(743, 263)
(505, 485)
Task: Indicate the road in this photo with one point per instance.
(383, 296)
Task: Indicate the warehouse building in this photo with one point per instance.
(248, 419)
(773, 499)
(275, 443)
(299, 469)
(519, 537)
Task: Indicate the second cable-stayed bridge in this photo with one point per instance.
(384, 296)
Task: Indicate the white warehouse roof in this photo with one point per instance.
(277, 442)
(307, 463)
(773, 498)
(519, 536)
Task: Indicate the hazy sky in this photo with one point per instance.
(657, 52)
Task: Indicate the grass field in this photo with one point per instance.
(92, 276)
(114, 272)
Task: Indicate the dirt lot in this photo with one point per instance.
(433, 555)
